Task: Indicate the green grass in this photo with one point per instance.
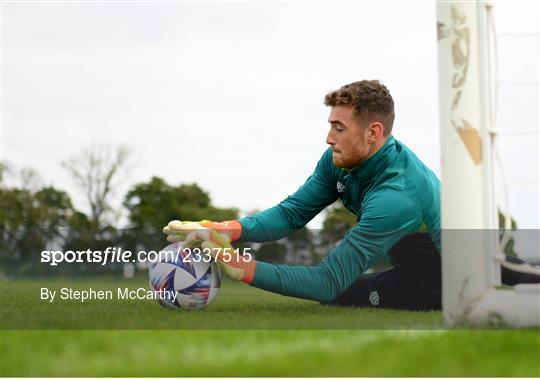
(237, 307)
(283, 337)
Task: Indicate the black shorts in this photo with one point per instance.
(413, 284)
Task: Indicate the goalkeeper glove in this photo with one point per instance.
(178, 231)
(233, 265)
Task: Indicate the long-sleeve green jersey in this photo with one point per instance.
(392, 194)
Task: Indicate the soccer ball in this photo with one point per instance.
(183, 279)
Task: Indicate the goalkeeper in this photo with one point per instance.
(393, 194)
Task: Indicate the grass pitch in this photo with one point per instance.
(246, 332)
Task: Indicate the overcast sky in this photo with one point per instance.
(229, 94)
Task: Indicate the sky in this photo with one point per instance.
(229, 94)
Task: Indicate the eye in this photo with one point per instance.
(337, 127)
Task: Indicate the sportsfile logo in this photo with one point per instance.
(117, 255)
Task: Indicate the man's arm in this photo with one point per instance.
(274, 223)
(323, 283)
(297, 210)
(386, 219)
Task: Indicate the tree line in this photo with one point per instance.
(37, 217)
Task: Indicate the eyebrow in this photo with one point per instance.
(335, 122)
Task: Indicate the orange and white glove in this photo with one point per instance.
(232, 264)
(178, 230)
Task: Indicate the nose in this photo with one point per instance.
(330, 138)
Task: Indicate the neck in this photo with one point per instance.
(375, 147)
(380, 158)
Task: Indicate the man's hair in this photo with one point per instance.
(370, 99)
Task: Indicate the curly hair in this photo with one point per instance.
(371, 101)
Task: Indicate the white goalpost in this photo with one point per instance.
(471, 252)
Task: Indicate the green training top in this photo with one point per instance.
(392, 193)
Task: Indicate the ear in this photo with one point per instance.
(376, 131)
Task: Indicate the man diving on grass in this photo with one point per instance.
(395, 197)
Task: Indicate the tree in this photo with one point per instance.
(96, 172)
(272, 252)
(300, 247)
(23, 178)
(79, 234)
(153, 204)
(31, 218)
(5, 171)
(30, 221)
